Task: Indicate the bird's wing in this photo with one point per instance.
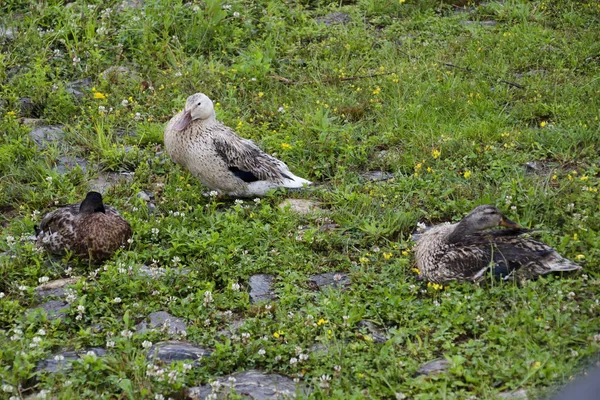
(246, 160)
(56, 220)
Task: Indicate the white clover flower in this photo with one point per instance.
(125, 102)
(257, 200)
(513, 208)
(10, 240)
(325, 381)
(155, 231)
(176, 260)
(236, 14)
(226, 7)
(126, 333)
(293, 361)
(7, 388)
(59, 358)
(159, 396)
(146, 344)
(281, 110)
(101, 109)
(43, 279)
(117, 300)
(22, 288)
(41, 332)
(80, 308)
(239, 202)
(235, 287)
(262, 352)
(208, 298)
(2, 295)
(91, 354)
(110, 344)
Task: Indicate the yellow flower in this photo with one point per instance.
(543, 124)
(377, 91)
(580, 256)
(583, 178)
(436, 153)
(467, 174)
(98, 95)
(416, 271)
(537, 364)
(387, 256)
(322, 322)
(11, 113)
(554, 177)
(363, 260)
(260, 94)
(404, 252)
(286, 146)
(402, 1)
(367, 338)
(278, 334)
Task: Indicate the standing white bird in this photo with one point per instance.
(221, 159)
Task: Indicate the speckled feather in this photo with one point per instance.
(97, 235)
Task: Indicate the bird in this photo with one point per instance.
(466, 252)
(220, 158)
(91, 230)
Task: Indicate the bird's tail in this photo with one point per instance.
(557, 263)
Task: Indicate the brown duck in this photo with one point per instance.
(90, 230)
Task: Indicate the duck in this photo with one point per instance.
(466, 252)
(90, 230)
(220, 158)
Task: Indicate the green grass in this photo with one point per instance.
(374, 94)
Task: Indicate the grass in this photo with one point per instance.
(410, 88)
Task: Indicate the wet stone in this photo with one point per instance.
(42, 135)
(252, 384)
(79, 88)
(377, 334)
(376, 176)
(61, 362)
(334, 18)
(55, 309)
(434, 367)
(177, 351)
(107, 181)
(67, 163)
(520, 394)
(260, 288)
(55, 288)
(162, 320)
(330, 279)
(301, 206)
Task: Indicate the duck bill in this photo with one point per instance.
(508, 223)
(183, 122)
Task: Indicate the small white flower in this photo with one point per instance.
(262, 352)
(235, 287)
(303, 357)
(117, 300)
(231, 379)
(76, 60)
(208, 298)
(281, 110)
(325, 381)
(421, 226)
(195, 9)
(2, 295)
(10, 240)
(239, 202)
(513, 208)
(226, 7)
(91, 354)
(236, 14)
(101, 109)
(176, 260)
(137, 116)
(213, 193)
(48, 179)
(7, 388)
(293, 361)
(337, 368)
(80, 308)
(155, 231)
(110, 344)
(41, 332)
(43, 279)
(59, 358)
(126, 333)
(67, 383)
(159, 396)
(43, 394)
(125, 102)
(146, 344)
(278, 358)
(257, 200)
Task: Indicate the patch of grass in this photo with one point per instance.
(454, 104)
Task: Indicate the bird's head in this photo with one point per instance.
(197, 107)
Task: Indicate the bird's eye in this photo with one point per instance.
(200, 103)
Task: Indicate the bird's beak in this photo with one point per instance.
(184, 122)
(508, 223)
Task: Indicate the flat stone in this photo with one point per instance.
(7, 33)
(163, 320)
(301, 206)
(55, 288)
(376, 176)
(330, 279)
(260, 288)
(520, 394)
(334, 18)
(106, 181)
(42, 135)
(377, 334)
(144, 196)
(79, 88)
(67, 163)
(232, 329)
(251, 384)
(434, 367)
(52, 365)
(55, 309)
(174, 350)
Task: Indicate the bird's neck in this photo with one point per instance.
(460, 230)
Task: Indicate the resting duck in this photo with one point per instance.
(460, 252)
(220, 158)
(90, 230)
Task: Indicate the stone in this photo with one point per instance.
(159, 272)
(62, 362)
(42, 135)
(329, 279)
(55, 288)
(67, 163)
(377, 334)
(434, 367)
(174, 350)
(520, 394)
(7, 33)
(251, 384)
(144, 196)
(376, 176)
(28, 108)
(488, 23)
(106, 181)
(232, 329)
(260, 288)
(301, 206)
(79, 88)
(162, 320)
(131, 4)
(334, 18)
(54, 309)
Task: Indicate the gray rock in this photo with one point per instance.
(251, 384)
(54, 309)
(376, 176)
(67, 163)
(334, 18)
(378, 335)
(434, 367)
(301, 206)
(177, 351)
(144, 196)
(55, 288)
(520, 394)
(7, 33)
(260, 288)
(330, 279)
(106, 181)
(232, 329)
(42, 135)
(62, 362)
(163, 320)
(79, 88)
